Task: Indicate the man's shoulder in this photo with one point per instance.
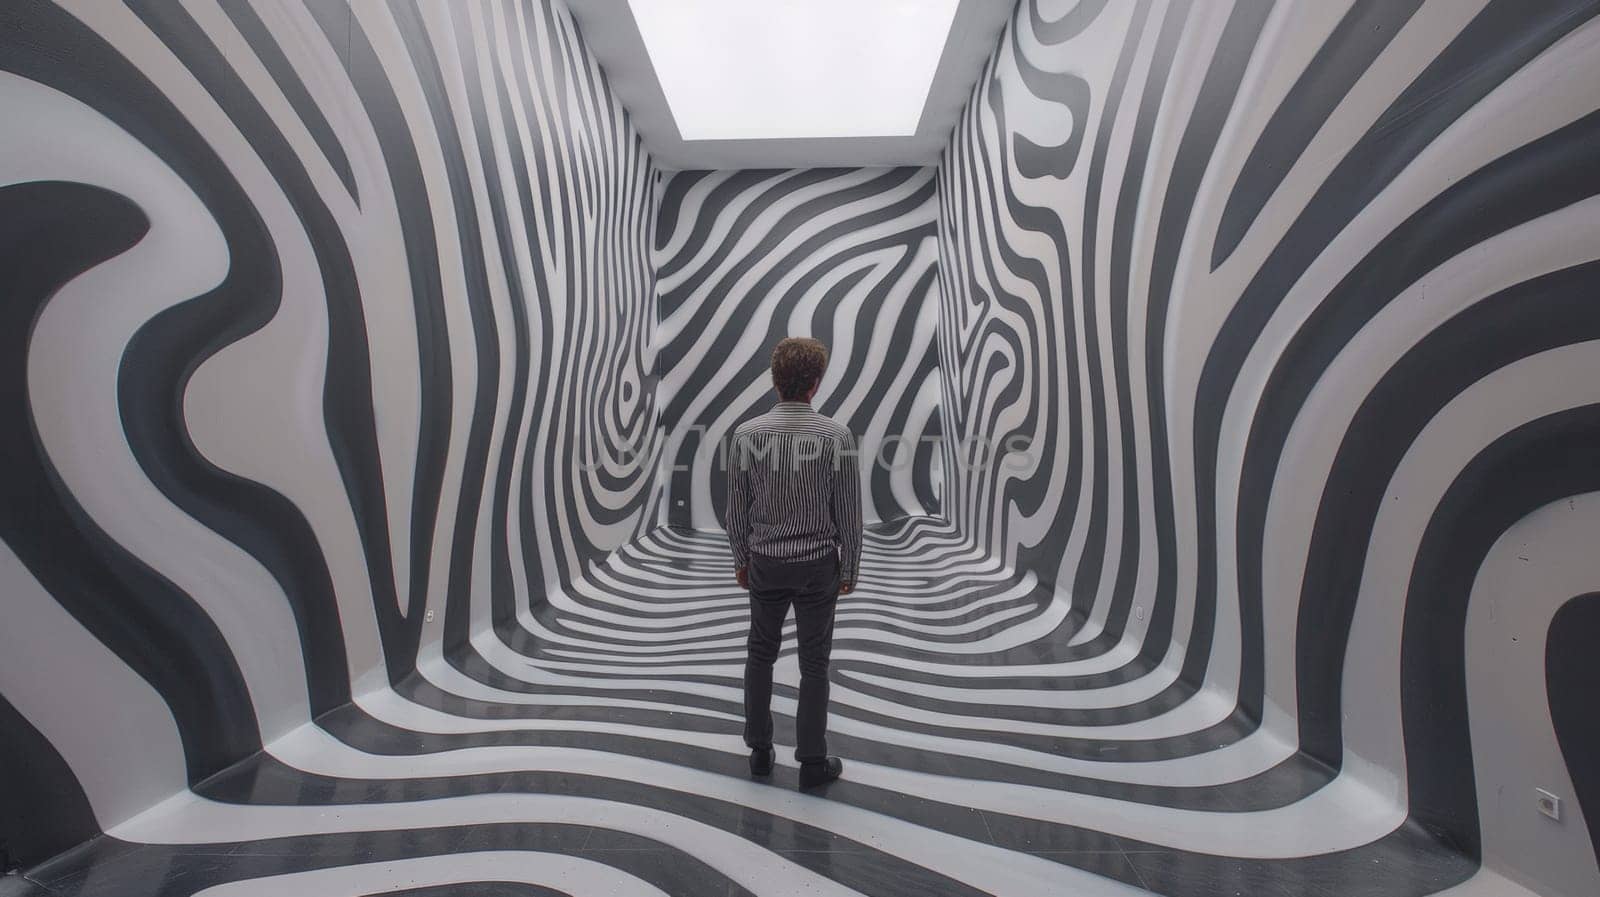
(748, 426)
(834, 428)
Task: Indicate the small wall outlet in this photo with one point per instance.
(428, 617)
(1548, 803)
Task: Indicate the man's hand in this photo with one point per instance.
(846, 588)
(743, 575)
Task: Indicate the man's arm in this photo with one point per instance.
(738, 518)
(847, 511)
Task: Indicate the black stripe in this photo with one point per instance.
(1572, 678)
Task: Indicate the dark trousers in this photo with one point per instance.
(813, 588)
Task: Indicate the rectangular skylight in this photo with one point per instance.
(752, 69)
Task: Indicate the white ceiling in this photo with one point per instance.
(792, 83)
(736, 69)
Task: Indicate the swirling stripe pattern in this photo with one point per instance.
(352, 349)
(745, 258)
(327, 346)
(1289, 293)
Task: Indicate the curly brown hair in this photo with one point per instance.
(797, 365)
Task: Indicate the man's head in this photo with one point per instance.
(797, 366)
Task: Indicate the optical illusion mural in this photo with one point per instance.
(327, 318)
(328, 329)
(745, 258)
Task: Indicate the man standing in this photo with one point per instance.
(794, 524)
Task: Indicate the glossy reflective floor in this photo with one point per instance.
(995, 744)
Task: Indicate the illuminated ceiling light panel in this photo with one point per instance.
(757, 69)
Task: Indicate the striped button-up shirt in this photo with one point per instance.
(794, 489)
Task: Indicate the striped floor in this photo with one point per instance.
(992, 746)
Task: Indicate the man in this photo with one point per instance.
(794, 524)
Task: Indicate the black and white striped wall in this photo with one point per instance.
(351, 349)
(1300, 300)
(326, 339)
(745, 258)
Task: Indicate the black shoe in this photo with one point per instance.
(820, 772)
(761, 762)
